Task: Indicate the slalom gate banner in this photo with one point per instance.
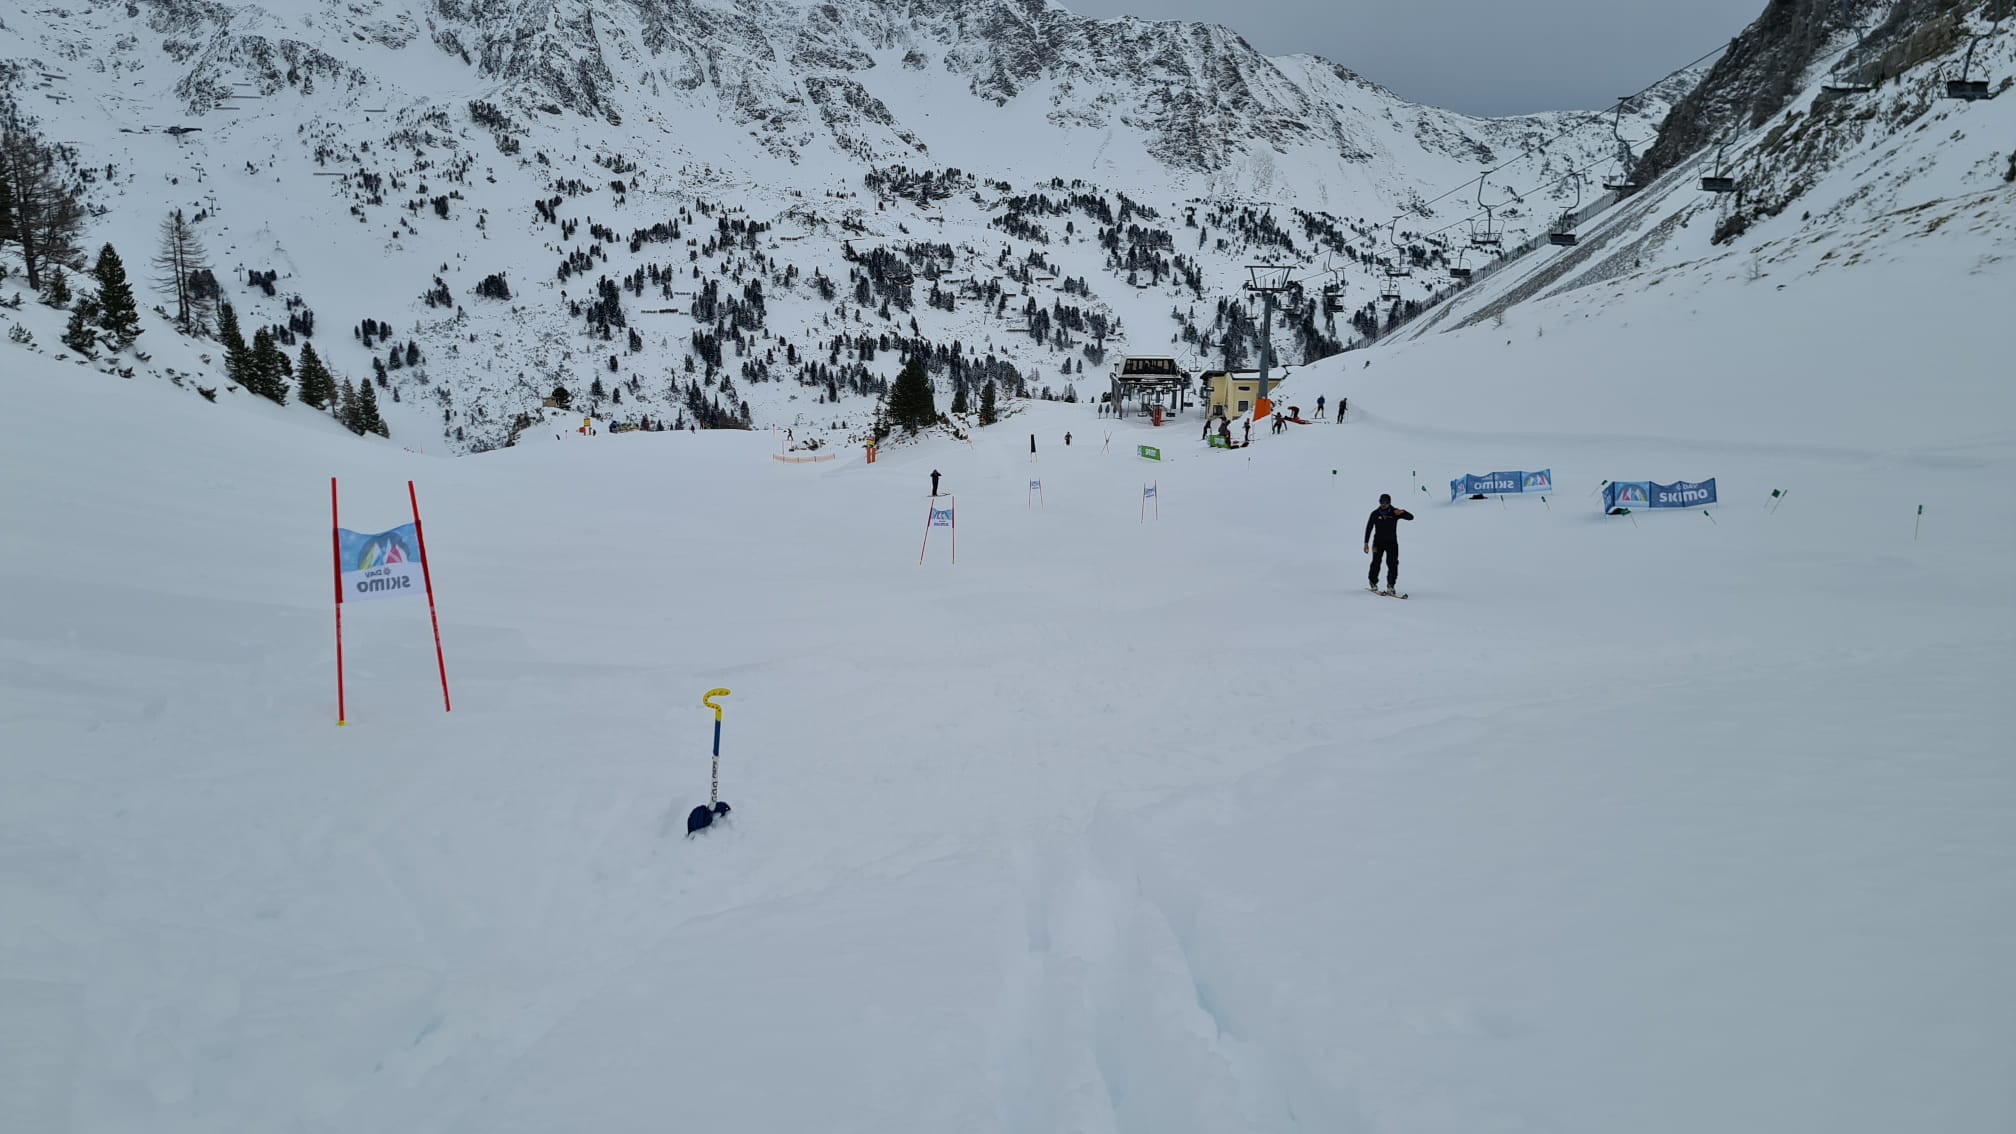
(375, 565)
(936, 517)
(1502, 483)
(379, 564)
(1646, 494)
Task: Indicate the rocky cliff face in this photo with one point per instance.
(1774, 59)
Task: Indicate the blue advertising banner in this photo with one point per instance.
(377, 565)
(1646, 494)
(1501, 483)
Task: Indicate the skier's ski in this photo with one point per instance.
(1388, 594)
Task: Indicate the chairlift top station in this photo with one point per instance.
(1152, 380)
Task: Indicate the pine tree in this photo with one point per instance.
(346, 408)
(43, 214)
(959, 399)
(316, 387)
(58, 292)
(910, 402)
(237, 357)
(367, 412)
(268, 379)
(179, 264)
(988, 414)
(118, 311)
(81, 334)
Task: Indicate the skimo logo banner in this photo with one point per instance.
(1502, 483)
(1647, 494)
(379, 565)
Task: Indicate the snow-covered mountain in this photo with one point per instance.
(381, 160)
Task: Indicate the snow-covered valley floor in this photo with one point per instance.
(1666, 823)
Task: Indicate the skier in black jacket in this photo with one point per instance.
(1382, 541)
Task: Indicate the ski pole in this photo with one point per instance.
(714, 792)
(1780, 502)
(1710, 515)
(1915, 523)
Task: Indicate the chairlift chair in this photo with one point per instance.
(1626, 180)
(1719, 181)
(1399, 266)
(1972, 90)
(1492, 235)
(1333, 299)
(1459, 272)
(1860, 83)
(1563, 233)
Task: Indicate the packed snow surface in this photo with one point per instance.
(1668, 822)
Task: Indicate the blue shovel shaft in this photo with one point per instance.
(717, 738)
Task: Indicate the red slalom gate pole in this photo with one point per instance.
(336, 563)
(427, 575)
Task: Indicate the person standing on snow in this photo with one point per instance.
(934, 482)
(1382, 541)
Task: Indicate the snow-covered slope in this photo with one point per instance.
(1666, 825)
(373, 156)
(1660, 822)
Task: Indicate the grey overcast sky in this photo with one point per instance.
(1478, 56)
